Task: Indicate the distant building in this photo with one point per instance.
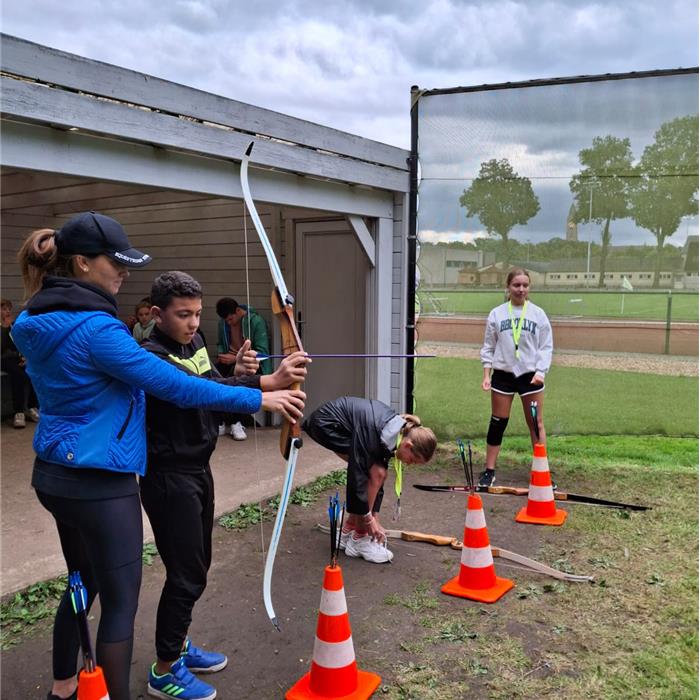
(638, 270)
(571, 225)
(443, 266)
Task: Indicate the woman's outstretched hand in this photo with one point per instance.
(286, 402)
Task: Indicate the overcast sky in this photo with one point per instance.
(351, 64)
(540, 131)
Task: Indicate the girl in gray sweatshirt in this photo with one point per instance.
(516, 356)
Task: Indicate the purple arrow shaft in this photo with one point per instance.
(342, 355)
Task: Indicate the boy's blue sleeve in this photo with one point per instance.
(116, 353)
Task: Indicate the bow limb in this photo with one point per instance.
(499, 552)
(290, 437)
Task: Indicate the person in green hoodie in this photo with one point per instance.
(238, 323)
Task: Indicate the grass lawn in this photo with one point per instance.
(577, 402)
(630, 634)
(647, 306)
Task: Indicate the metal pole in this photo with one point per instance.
(667, 343)
(590, 218)
(411, 249)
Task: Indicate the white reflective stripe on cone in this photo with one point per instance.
(540, 493)
(333, 602)
(540, 464)
(475, 519)
(477, 557)
(334, 654)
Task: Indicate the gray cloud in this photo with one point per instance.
(350, 65)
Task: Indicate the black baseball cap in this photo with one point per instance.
(91, 233)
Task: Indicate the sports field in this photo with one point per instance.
(649, 306)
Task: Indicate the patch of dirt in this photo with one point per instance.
(264, 663)
(619, 362)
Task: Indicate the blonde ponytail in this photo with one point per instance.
(423, 439)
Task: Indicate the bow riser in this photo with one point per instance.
(291, 342)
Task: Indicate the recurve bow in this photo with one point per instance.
(290, 435)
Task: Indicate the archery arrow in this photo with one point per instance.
(346, 356)
(519, 491)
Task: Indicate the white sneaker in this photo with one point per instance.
(344, 537)
(368, 549)
(222, 430)
(18, 421)
(33, 415)
(237, 432)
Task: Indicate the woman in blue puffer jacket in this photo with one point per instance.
(90, 377)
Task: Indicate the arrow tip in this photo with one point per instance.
(249, 150)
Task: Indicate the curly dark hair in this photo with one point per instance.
(175, 284)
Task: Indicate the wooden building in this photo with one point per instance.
(164, 160)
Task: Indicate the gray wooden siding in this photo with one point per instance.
(69, 92)
(47, 65)
(199, 235)
(398, 301)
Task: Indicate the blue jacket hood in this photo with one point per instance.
(40, 331)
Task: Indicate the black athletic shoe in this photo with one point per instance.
(51, 696)
(487, 478)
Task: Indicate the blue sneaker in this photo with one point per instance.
(200, 661)
(179, 683)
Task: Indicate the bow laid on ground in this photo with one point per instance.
(290, 440)
(520, 491)
(454, 543)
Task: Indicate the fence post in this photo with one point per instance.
(667, 343)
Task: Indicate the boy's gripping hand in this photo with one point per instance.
(246, 361)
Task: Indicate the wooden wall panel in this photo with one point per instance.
(205, 237)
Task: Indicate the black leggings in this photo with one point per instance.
(103, 539)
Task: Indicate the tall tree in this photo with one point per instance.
(500, 199)
(600, 189)
(667, 184)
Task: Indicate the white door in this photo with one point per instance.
(332, 275)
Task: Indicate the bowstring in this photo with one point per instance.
(255, 423)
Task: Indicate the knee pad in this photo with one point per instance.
(497, 426)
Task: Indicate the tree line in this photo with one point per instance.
(656, 192)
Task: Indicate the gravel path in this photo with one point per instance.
(622, 362)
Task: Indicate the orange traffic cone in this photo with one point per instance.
(92, 686)
(477, 575)
(541, 509)
(334, 674)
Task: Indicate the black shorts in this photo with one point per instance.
(507, 383)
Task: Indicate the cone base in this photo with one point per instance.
(367, 683)
(483, 595)
(557, 519)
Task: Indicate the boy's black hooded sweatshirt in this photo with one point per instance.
(183, 439)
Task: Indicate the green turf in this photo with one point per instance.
(632, 633)
(637, 305)
(449, 399)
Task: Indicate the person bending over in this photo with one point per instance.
(368, 435)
